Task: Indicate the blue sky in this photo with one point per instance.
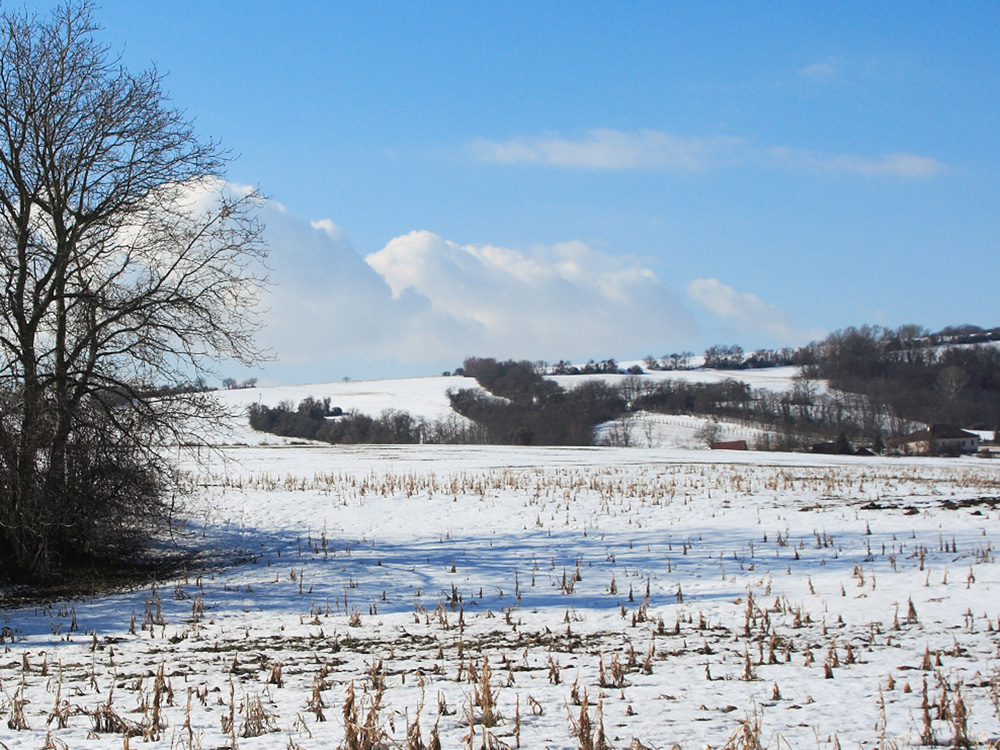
(572, 179)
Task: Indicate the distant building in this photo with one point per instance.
(937, 438)
(840, 447)
(730, 445)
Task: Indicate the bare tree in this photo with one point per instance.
(632, 387)
(708, 434)
(619, 433)
(126, 270)
(951, 381)
(648, 426)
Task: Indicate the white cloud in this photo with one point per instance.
(423, 303)
(906, 165)
(549, 301)
(824, 71)
(505, 153)
(616, 150)
(902, 164)
(327, 311)
(746, 313)
(334, 232)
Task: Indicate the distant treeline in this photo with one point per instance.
(902, 341)
(318, 420)
(789, 420)
(888, 344)
(889, 379)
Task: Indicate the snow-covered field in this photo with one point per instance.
(506, 597)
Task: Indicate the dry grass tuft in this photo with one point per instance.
(369, 733)
(17, 720)
(748, 735)
(588, 736)
(485, 697)
(257, 721)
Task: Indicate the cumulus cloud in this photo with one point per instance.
(746, 313)
(424, 303)
(616, 150)
(561, 300)
(327, 311)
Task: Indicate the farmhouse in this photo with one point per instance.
(937, 438)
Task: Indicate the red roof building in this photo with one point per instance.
(730, 445)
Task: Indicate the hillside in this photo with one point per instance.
(427, 399)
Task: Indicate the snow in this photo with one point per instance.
(425, 398)
(778, 379)
(779, 587)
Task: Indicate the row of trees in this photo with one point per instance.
(884, 382)
(315, 420)
(904, 375)
(231, 384)
(516, 405)
(567, 417)
(795, 419)
(604, 367)
(732, 357)
(518, 381)
(860, 351)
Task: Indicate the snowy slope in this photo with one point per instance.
(427, 398)
(424, 398)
